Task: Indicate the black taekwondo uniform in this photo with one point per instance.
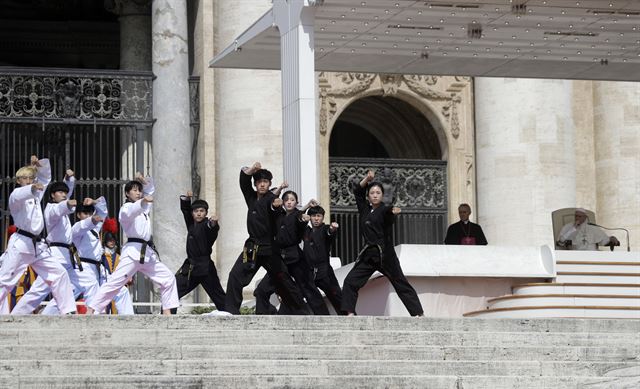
(290, 231)
(260, 250)
(465, 234)
(377, 254)
(198, 268)
(317, 246)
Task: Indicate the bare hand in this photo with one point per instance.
(140, 177)
(189, 193)
(68, 174)
(148, 199)
(305, 218)
(395, 210)
(71, 203)
(88, 201)
(334, 226)
(213, 219)
(313, 203)
(37, 186)
(370, 175)
(277, 203)
(96, 219)
(35, 161)
(284, 185)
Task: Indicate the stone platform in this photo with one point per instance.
(316, 352)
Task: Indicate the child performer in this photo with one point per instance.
(318, 239)
(376, 220)
(198, 268)
(121, 303)
(138, 254)
(291, 227)
(26, 246)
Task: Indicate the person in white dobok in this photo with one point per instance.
(26, 246)
(56, 217)
(138, 254)
(86, 239)
(580, 235)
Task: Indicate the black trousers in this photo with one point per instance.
(210, 282)
(390, 268)
(330, 286)
(304, 279)
(242, 273)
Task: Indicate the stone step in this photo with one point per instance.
(533, 300)
(592, 256)
(311, 323)
(136, 337)
(598, 277)
(576, 288)
(317, 382)
(564, 311)
(598, 267)
(336, 352)
(242, 367)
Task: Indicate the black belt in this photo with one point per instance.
(91, 261)
(143, 249)
(34, 238)
(73, 252)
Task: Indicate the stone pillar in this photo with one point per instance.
(248, 125)
(617, 157)
(171, 139)
(525, 157)
(135, 32)
(300, 141)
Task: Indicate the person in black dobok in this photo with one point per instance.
(291, 224)
(376, 220)
(198, 268)
(465, 232)
(261, 248)
(318, 239)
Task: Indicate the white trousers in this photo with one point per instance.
(49, 270)
(87, 285)
(40, 290)
(155, 270)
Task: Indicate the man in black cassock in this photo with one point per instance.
(465, 232)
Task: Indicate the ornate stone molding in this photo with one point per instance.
(347, 85)
(113, 97)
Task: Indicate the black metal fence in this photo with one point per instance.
(419, 187)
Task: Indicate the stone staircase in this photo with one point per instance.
(147, 351)
(592, 284)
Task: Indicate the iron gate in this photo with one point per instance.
(419, 187)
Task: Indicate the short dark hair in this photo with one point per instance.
(315, 210)
(58, 186)
(81, 208)
(375, 183)
(199, 204)
(290, 192)
(129, 185)
(262, 174)
(464, 205)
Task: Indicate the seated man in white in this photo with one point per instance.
(580, 235)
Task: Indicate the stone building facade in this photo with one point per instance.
(514, 149)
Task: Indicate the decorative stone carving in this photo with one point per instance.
(351, 84)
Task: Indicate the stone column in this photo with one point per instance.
(617, 157)
(171, 138)
(248, 125)
(135, 32)
(525, 157)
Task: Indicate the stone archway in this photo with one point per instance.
(392, 137)
(445, 102)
